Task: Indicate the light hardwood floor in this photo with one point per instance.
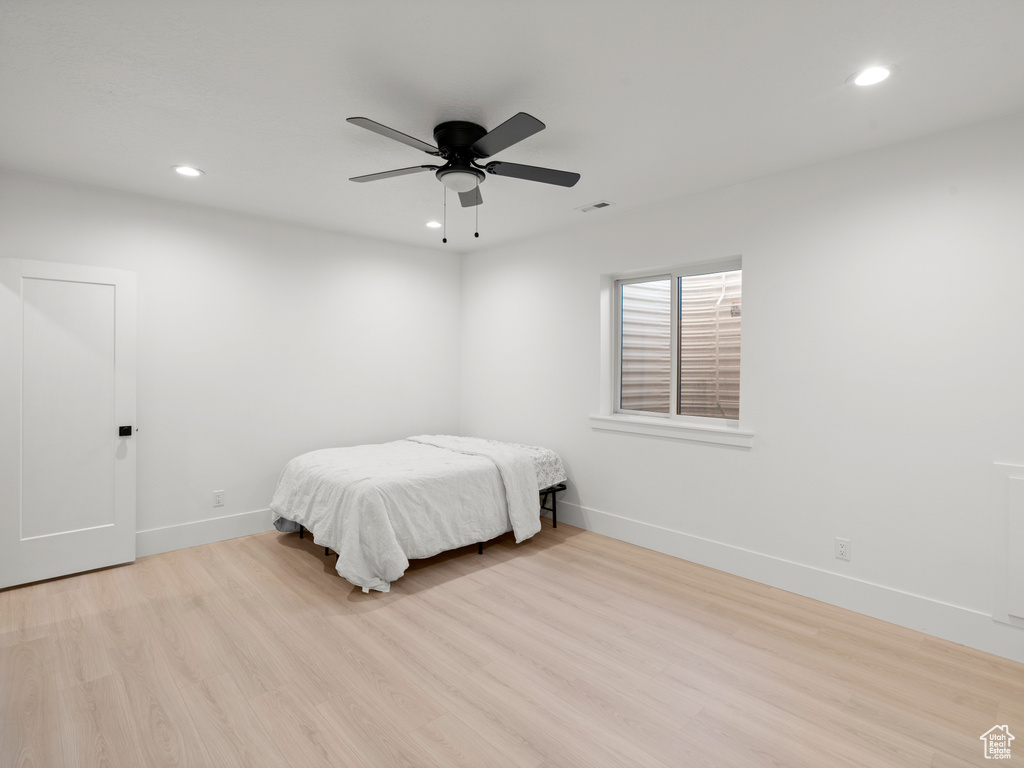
(570, 650)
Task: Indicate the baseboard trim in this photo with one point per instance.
(950, 622)
(192, 534)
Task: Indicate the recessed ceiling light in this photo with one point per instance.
(434, 224)
(870, 76)
(187, 170)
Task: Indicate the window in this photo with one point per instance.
(710, 313)
(679, 344)
(645, 345)
(673, 337)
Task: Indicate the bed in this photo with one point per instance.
(380, 506)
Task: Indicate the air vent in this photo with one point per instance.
(594, 206)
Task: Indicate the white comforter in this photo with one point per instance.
(378, 506)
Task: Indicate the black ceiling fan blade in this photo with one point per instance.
(533, 173)
(518, 127)
(391, 133)
(398, 172)
(471, 198)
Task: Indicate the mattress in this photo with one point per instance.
(378, 506)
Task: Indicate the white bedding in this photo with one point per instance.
(378, 506)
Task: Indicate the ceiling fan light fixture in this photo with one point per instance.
(460, 180)
(434, 224)
(186, 170)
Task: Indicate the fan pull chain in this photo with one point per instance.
(476, 210)
(444, 217)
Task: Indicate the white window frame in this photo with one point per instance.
(610, 417)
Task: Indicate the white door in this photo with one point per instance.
(67, 386)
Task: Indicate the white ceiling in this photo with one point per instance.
(648, 100)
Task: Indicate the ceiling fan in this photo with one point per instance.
(461, 144)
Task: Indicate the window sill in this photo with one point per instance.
(673, 430)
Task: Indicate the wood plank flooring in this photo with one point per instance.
(569, 650)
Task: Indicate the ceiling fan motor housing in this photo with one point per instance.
(455, 139)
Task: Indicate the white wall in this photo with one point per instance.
(257, 341)
(883, 374)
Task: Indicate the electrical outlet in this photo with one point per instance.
(842, 548)
(218, 498)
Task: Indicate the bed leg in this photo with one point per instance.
(554, 510)
(479, 547)
(302, 531)
(327, 551)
